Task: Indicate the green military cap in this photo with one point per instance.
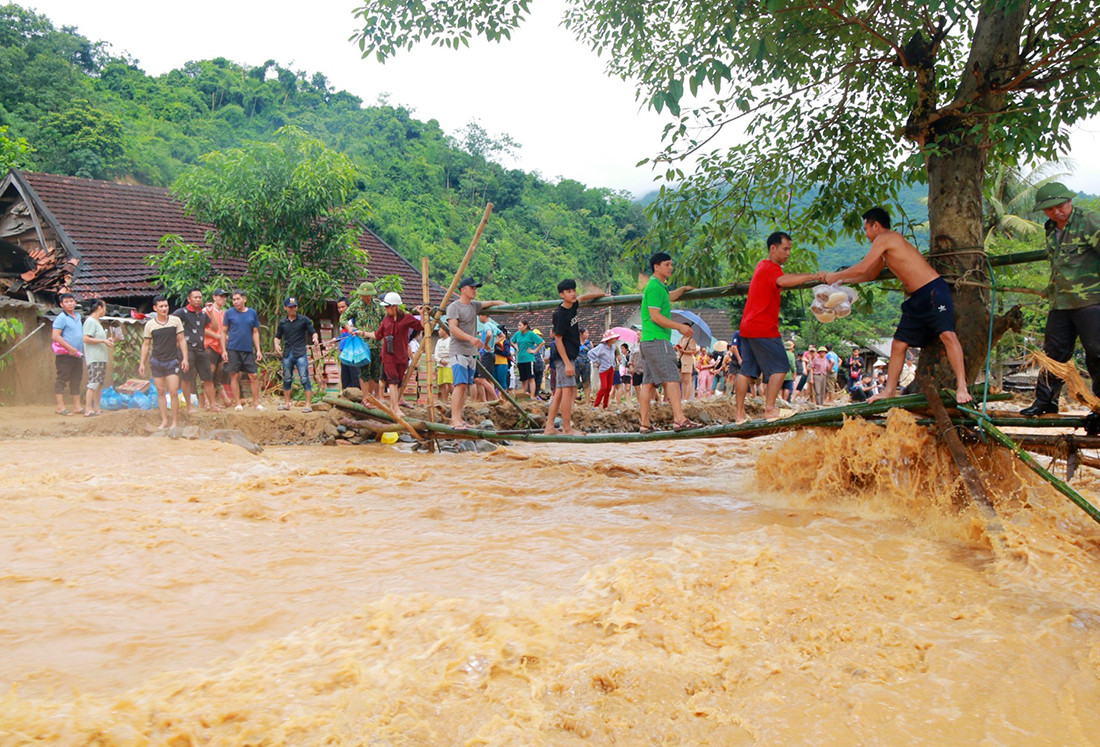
(367, 289)
(1052, 194)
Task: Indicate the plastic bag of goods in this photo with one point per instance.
(823, 314)
(842, 310)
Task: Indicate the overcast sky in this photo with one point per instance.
(543, 88)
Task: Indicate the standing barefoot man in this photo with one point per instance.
(928, 312)
(761, 346)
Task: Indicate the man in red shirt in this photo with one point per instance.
(762, 351)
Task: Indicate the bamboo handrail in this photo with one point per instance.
(733, 289)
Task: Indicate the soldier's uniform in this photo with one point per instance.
(366, 317)
(1074, 294)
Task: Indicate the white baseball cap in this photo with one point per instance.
(390, 299)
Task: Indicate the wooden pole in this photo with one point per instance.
(451, 290)
(430, 367)
(969, 473)
(1000, 437)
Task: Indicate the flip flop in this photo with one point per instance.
(686, 425)
(462, 427)
(64, 413)
(646, 429)
(307, 409)
(91, 414)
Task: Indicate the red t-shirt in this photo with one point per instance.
(761, 315)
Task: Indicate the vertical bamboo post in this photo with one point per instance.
(454, 285)
(427, 347)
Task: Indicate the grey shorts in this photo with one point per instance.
(763, 356)
(658, 362)
(561, 381)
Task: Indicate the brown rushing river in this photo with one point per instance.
(160, 592)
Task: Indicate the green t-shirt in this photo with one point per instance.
(655, 295)
(523, 341)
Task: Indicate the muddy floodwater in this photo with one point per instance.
(799, 590)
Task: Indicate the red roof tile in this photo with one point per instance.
(113, 227)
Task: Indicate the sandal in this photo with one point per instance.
(90, 414)
(65, 412)
(307, 409)
(284, 407)
(686, 425)
(646, 429)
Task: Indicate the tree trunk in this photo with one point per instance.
(956, 162)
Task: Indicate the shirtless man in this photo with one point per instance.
(927, 313)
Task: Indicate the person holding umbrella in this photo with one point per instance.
(761, 347)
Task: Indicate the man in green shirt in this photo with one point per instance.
(364, 315)
(1073, 245)
(658, 359)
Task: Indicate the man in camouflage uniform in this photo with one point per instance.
(1073, 244)
(364, 315)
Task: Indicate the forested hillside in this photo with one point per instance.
(69, 107)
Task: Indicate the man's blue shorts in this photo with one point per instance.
(926, 314)
(463, 369)
(763, 355)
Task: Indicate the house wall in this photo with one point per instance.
(27, 375)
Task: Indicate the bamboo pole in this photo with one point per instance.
(450, 291)
(751, 429)
(1000, 437)
(525, 416)
(734, 289)
(391, 415)
(428, 328)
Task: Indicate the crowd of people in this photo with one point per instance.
(206, 347)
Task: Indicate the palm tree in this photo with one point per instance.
(1009, 195)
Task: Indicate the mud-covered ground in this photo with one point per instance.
(274, 427)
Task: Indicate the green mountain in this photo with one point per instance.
(88, 113)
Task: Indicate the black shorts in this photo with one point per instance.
(164, 369)
(636, 379)
(526, 370)
(926, 314)
(241, 361)
(198, 364)
(489, 361)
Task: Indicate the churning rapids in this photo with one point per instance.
(826, 589)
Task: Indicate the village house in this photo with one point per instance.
(65, 234)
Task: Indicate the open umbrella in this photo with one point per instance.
(701, 329)
(625, 334)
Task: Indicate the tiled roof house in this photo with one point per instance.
(89, 237)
